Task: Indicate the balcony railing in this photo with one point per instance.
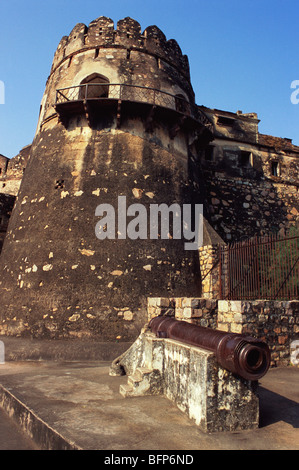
(132, 93)
(122, 92)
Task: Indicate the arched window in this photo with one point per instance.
(97, 87)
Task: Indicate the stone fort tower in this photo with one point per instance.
(118, 118)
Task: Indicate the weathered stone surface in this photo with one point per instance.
(276, 322)
(190, 377)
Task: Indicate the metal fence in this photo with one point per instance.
(261, 268)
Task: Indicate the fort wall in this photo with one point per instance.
(58, 280)
(144, 138)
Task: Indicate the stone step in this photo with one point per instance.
(138, 383)
(139, 375)
(126, 390)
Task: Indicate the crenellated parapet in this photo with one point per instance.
(101, 33)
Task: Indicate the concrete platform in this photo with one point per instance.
(12, 437)
(77, 405)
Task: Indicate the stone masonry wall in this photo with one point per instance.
(276, 322)
(209, 270)
(241, 209)
(200, 311)
(244, 198)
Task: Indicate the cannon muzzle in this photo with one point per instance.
(243, 355)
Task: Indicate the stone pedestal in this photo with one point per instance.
(189, 376)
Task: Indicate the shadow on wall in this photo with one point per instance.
(6, 205)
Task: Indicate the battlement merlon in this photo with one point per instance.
(101, 34)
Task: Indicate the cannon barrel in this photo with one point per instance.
(243, 355)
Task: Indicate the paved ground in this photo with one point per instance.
(77, 405)
(12, 437)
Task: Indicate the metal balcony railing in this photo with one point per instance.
(117, 91)
(132, 93)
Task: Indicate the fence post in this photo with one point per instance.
(220, 271)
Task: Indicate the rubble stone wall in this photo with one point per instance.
(244, 199)
(276, 322)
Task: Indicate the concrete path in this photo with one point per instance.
(77, 405)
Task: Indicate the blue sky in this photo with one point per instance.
(243, 55)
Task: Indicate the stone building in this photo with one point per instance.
(12, 170)
(11, 174)
(3, 164)
(118, 119)
(251, 179)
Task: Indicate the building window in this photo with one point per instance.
(245, 159)
(275, 169)
(225, 121)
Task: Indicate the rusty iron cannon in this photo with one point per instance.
(243, 355)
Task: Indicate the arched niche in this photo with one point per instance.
(97, 87)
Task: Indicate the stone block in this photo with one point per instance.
(213, 397)
(238, 318)
(223, 326)
(236, 328)
(294, 350)
(186, 302)
(152, 301)
(223, 306)
(196, 313)
(162, 302)
(236, 306)
(179, 313)
(187, 312)
(197, 302)
(206, 288)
